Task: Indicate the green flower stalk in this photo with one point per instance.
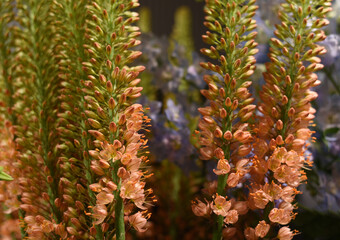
(114, 122)
(74, 163)
(286, 112)
(224, 127)
(35, 108)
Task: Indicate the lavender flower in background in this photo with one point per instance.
(172, 93)
(332, 45)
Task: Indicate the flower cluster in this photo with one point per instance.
(285, 109)
(267, 155)
(79, 137)
(224, 128)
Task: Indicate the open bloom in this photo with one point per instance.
(262, 229)
(201, 209)
(285, 234)
(220, 206)
(138, 222)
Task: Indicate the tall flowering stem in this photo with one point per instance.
(117, 149)
(72, 122)
(224, 127)
(286, 113)
(35, 108)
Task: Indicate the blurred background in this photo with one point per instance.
(171, 41)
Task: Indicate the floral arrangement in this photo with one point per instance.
(106, 134)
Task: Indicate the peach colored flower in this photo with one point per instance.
(104, 198)
(285, 234)
(292, 159)
(206, 153)
(273, 190)
(287, 206)
(96, 187)
(138, 222)
(303, 133)
(293, 177)
(200, 208)
(276, 159)
(223, 167)
(259, 198)
(262, 229)
(281, 216)
(288, 194)
(281, 173)
(126, 158)
(131, 189)
(231, 217)
(47, 226)
(220, 206)
(109, 152)
(233, 179)
(99, 213)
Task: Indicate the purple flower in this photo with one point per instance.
(332, 45)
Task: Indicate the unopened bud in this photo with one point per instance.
(219, 153)
(289, 139)
(279, 125)
(109, 86)
(112, 103)
(228, 135)
(218, 132)
(113, 127)
(228, 102)
(279, 140)
(291, 112)
(223, 113)
(234, 105)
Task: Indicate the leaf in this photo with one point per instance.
(329, 132)
(4, 176)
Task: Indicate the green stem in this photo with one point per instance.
(119, 215)
(222, 182)
(119, 208)
(78, 44)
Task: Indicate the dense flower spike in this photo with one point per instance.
(286, 113)
(224, 127)
(115, 124)
(79, 137)
(73, 126)
(36, 110)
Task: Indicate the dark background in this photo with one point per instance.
(163, 11)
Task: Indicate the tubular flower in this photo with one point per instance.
(224, 129)
(286, 111)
